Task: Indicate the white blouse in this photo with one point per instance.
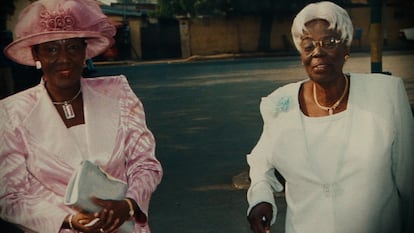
(324, 135)
(78, 133)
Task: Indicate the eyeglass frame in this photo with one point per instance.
(320, 43)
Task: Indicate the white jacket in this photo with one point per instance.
(375, 171)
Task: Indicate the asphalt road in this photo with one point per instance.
(205, 118)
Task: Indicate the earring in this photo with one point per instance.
(38, 65)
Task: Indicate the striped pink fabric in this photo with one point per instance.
(37, 155)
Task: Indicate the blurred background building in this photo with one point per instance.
(151, 30)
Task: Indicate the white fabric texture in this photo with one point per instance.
(339, 179)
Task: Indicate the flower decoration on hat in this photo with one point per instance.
(57, 21)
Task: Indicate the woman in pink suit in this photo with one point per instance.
(48, 130)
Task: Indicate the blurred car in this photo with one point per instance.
(407, 34)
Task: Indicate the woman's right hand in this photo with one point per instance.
(260, 217)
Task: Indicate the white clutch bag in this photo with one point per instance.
(90, 180)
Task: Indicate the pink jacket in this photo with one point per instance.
(38, 155)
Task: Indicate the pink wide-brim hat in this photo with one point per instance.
(50, 20)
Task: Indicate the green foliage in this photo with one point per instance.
(192, 8)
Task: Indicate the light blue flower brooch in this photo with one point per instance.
(272, 107)
(283, 104)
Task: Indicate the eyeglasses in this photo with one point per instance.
(54, 48)
(308, 45)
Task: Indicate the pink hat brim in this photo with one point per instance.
(20, 50)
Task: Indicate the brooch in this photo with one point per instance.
(283, 104)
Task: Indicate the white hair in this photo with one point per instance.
(336, 16)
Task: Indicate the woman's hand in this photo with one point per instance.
(260, 217)
(113, 214)
(82, 222)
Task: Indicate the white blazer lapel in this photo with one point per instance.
(102, 122)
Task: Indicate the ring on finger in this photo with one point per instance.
(101, 230)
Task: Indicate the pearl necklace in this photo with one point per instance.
(67, 107)
(332, 108)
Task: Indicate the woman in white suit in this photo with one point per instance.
(48, 130)
(342, 141)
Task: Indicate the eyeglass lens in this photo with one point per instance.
(309, 45)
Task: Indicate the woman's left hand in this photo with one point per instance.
(113, 214)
